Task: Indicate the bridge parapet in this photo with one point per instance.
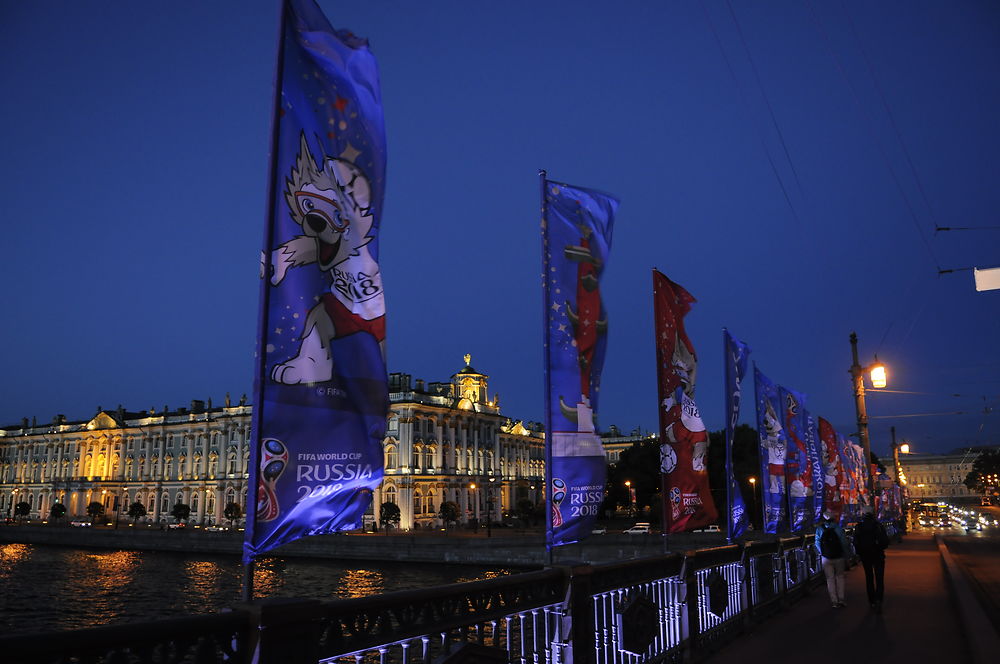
(668, 608)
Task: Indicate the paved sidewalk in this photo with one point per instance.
(918, 622)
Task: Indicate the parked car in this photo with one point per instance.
(599, 530)
(174, 526)
(80, 523)
(638, 529)
(215, 529)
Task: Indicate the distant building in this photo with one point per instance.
(449, 442)
(615, 442)
(196, 456)
(933, 477)
(444, 442)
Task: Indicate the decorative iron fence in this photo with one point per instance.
(663, 609)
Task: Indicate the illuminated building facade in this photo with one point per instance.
(196, 456)
(444, 442)
(934, 477)
(449, 442)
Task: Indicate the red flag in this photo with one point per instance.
(833, 470)
(687, 498)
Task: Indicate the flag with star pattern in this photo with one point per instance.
(576, 241)
(686, 495)
(321, 384)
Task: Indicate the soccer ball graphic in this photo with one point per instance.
(668, 459)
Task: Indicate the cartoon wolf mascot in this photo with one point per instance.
(332, 204)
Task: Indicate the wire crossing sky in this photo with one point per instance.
(788, 163)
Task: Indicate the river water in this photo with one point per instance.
(47, 588)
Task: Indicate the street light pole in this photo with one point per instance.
(857, 376)
(489, 507)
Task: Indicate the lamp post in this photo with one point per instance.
(475, 502)
(489, 507)
(878, 378)
(631, 497)
(753, 490)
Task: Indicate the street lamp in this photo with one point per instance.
(475, 502)
(878, 378)
(631, 497)
(753, 490)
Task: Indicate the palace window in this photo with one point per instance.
(391, 457)
(389, 494)
(418, 503)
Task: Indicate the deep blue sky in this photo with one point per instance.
(134, 142)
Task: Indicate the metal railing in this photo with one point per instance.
(672, 608)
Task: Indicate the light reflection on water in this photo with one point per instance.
(45, 588)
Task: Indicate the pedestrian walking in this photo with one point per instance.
(870, 542)
(832, 546)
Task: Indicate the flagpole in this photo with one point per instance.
(546, 353)
(264, 298)
(729, 443)
(659, 415)
(761, 463)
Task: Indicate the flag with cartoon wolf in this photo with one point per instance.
(773, 448)
(321, 384)
(576, 242)
(687, 496)
(798, 460)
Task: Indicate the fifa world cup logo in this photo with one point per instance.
(558, 495)
(273, 461)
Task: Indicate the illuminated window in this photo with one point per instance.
(389, 494)
(418, 503)
(391, 458)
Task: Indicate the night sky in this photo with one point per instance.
(786, 162)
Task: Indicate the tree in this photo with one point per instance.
(388, 515)
(136, 511)
(525, 510)
(985, 471)
(95, 510)
(232, 512)
(181, 512)
(57, 511)
(640, 465)
(449, 512)
(746, 464)
(22, 509)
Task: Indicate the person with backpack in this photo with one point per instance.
(832, 546)
(870, 542)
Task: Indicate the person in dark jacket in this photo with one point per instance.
(832, 546)
(870, 542)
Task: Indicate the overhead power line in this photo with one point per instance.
(966, 228)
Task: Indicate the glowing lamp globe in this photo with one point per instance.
(878, 376)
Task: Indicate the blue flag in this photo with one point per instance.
(576, 239)
(321, 384)
(773, 448)
(736, 355)
(814, 447)
(798, 466)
